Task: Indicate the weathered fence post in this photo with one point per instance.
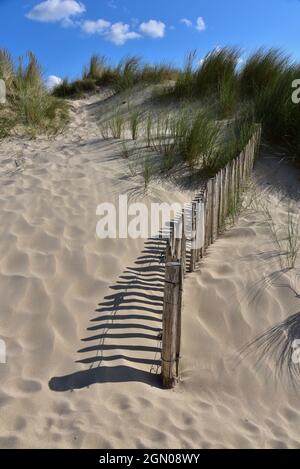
(183, 246)
(172, 235)
(193, 237)
(216, 207)
(207, 214)
(221, 201)
(179, 322)
(200, 228)
(177, 242)
(172, 306)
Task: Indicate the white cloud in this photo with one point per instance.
(56, 10)
(98, 26)
(52, 81)
(187, 22)
(200, 24)
(119, 33)
(153, 28)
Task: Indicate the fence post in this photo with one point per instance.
(216, 207)
(226, 192)
(182, 275)
(193, 238)
(172, 235)
(183, 246)
(172, 300)
(177, 243)
(208, 215)
(178, 325)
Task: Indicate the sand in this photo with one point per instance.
(63, 385)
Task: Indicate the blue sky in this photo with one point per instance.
(64, 33)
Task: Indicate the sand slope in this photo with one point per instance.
(81, 316)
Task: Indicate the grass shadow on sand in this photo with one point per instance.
(278, 345)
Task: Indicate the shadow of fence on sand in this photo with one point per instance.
(128, 328)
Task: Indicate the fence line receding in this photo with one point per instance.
(218, 198)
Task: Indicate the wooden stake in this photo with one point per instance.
(172, 299)
(193, 239)
(183, 246)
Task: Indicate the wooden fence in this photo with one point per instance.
(218, 199)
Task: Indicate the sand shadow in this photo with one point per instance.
(104, 374)
(127, 328)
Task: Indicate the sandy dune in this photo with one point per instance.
(81, 316)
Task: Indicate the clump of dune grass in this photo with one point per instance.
(266, 79)
(97, 73)
(95, 69)
(217, 67)
(167, 136)
(262, 69)
(131, 71)
(216, 76)
(126, 151)
(127, 73)
(185, 84)
(227, 97)
(134, 121)
(33, 104)
(278, 113)
(116, 125)
(214, 80)
(239, 132)
(155, 74)
(104, 130)
(75, 88)
(196, 139)
(7, 123)
(28, 102)
(198, 144)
